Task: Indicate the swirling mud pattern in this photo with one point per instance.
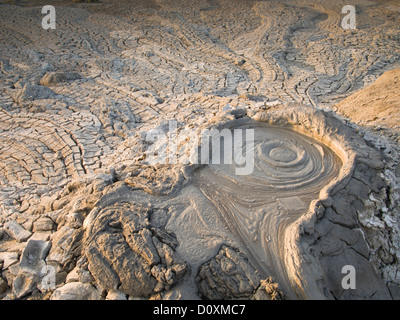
(290, 169)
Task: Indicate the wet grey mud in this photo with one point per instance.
(290, 169)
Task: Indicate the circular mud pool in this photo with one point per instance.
(287, 171)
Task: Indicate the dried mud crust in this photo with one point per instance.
(76, 104)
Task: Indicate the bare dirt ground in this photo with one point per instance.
(80, 196)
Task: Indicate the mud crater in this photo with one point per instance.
(290, 170)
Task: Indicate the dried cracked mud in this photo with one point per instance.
(86, 212)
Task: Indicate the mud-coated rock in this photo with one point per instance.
(121, 252)
(24, 284)
(229, 275)
(33, 256)
(32, 92)
(66, 247)
(52, 78)
(16, 231)
(76, 291)
(43, 224)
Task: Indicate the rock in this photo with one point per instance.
(31, 92)
(60, 203)
(41, 235)
(51, 276)
(74, 220)
(236, 112)
(163, 181)
(102, 271)
(85, 276)
(14, 269)
(76, 291)
(43, 224)
(121, 253)
(116, 295)
(8, 258)
(33, 256)
(268, 290)
(394, 290)
(66, 247)
(24, 284)
(228, 275)
(17, 232)
(160, 273)
(73, 276)
(52, 78)
(3, 286)
(127, 268)
(61, 277)
(141, 242)
(101, 181)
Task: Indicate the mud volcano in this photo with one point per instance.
(289, 171)
(301, 215)
(79, 195)
(285, 229)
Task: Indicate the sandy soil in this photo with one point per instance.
(376, 104)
